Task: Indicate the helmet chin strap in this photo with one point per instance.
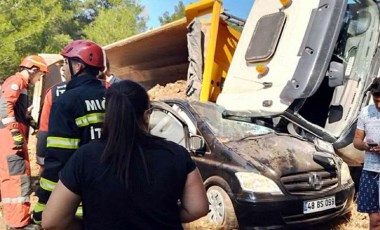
(31, 74)
(72, 70)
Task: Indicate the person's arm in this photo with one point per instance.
(9, 97)
(11, 91)
(60, 210)
(194, 203)
(359, 142)
(360, 134)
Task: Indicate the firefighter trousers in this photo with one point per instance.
(14, 179)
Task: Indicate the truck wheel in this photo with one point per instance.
(222, 214)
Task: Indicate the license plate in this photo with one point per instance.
(318, 205)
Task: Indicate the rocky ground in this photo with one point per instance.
(353, 221)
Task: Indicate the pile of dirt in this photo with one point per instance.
(176, 90)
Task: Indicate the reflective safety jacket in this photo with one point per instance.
(51, 95)
(14, 102)
(76, 118)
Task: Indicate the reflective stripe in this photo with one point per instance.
(64, 143)
(37, 221)
(88, 119)
(40, 160)
(79, 211)
(21, 199)
(8, 120)
(37, 212)
(39, 207)
(47, 185)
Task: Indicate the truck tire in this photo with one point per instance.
(222, 214)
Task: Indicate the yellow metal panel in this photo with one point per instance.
(199, 8)
(207, 79)
(220, 49)
(225, 47)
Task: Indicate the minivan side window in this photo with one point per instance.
(165, 125)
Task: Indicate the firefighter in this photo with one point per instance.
(14, 159)
(107, 76)
(50, 97)
(76, 116)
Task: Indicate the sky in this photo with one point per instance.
(156, 8)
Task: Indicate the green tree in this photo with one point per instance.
(46, 26)
(30, 27)
(179, 12)
(117, 22)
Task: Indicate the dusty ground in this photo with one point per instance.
(354, 221)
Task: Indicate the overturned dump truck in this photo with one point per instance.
(304, 68)
(198, 45)
(280, 75)
(300, 67)
(280, 72)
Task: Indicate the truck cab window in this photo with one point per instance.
(267, 33)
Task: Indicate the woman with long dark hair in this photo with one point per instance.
(130, 179)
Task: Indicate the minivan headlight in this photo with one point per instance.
(252, 182)
(345, 177)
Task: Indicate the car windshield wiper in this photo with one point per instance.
(253, 136)
(241, 115)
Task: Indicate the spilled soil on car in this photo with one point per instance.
(353, 220)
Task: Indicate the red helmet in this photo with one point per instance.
(34, 61)
(88, 51)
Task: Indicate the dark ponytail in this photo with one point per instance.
(126, 102)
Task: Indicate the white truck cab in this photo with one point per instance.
(304, 67)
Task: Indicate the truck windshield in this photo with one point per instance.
(227, 130)
(358, 38)
(342, 94)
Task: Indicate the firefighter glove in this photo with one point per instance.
(33, 124)
(18, 140)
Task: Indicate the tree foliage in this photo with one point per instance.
(30, 26)
(46, 26)
(118, 22)
(179, 12)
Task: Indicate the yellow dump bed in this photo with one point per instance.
(161, 55)
(156, 56)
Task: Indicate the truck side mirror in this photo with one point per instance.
(336, 74)
(197, 144)
(360, 23)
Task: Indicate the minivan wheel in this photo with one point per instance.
(222, 213)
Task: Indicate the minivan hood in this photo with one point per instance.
(283, 154)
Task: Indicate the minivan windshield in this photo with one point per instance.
(224, 129)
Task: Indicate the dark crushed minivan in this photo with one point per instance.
(256, 178)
